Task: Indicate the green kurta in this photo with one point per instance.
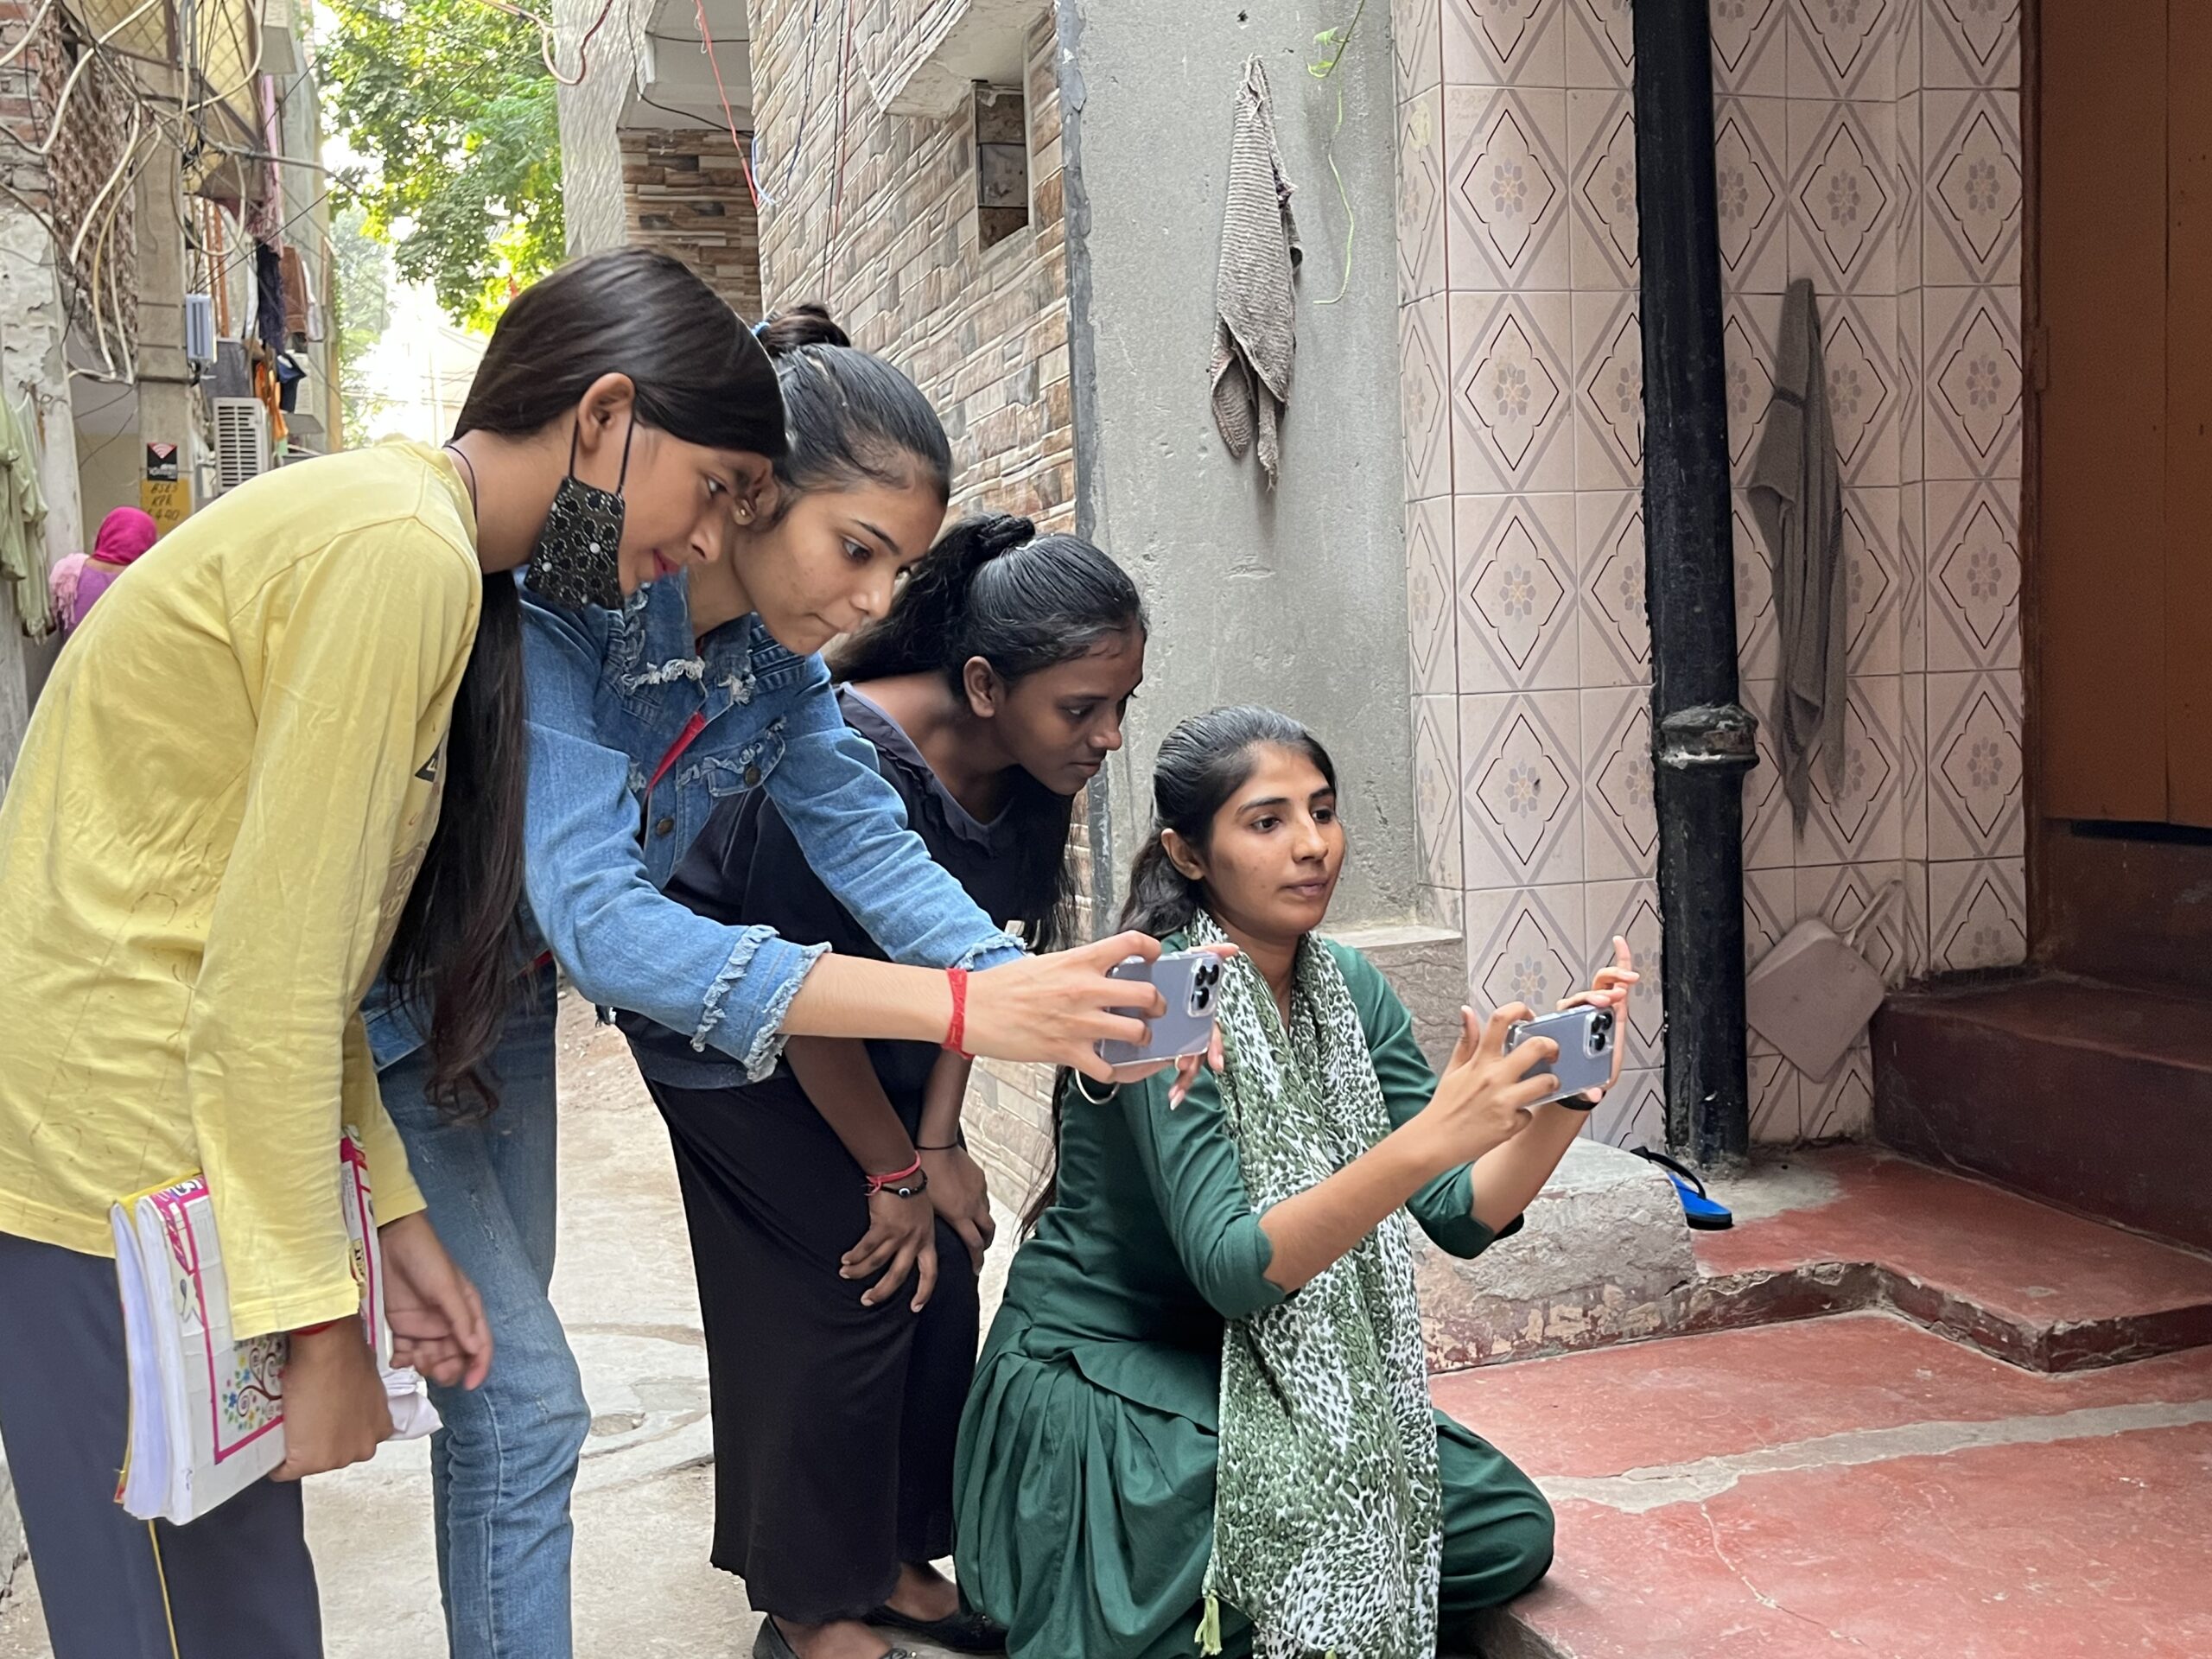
(1086, 1480)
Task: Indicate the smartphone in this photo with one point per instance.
(1190, 983)
(1585, 1035)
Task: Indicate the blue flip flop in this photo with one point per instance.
(1700, 1210)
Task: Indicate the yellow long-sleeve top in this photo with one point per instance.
(226, 792)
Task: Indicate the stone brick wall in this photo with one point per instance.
(875, 215)
(685, 193)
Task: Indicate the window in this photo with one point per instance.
(1001, 162)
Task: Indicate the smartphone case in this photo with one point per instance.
(1586, 1036)
(1188, 981)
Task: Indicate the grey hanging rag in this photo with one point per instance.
(1796, 495)
(1254, 330)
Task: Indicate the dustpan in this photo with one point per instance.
(1813, 993)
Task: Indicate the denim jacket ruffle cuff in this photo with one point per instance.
(788, 965)
(996, 951)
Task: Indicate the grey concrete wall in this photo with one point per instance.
(591, 154)
(1296, 599)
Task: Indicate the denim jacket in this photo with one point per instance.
(609, 692)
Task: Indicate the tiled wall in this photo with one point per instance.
(1872, 145)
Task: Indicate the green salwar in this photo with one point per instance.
(1085, 1485)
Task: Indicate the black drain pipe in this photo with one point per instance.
(1701, 736)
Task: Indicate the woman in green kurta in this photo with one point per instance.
(1201, 1407)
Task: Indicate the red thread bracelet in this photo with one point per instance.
(314, 1330)
(956, 1035)
(877, 1183)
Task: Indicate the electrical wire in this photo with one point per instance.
(30, 31)
(744, 160)
(68, 86)
(768, 198)
(548, 38)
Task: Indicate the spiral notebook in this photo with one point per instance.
(207, 1413)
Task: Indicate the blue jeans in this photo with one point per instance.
(502, 1467)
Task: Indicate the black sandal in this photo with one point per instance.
(964, 1632)
(773, 1643)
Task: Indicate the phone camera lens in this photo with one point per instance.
(1601, 1031)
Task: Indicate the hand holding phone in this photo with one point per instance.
(1190, 983)
(1585, 1034)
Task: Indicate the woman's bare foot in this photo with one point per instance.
(842, 1638)
(925, 1593)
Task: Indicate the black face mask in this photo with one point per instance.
(577, 560)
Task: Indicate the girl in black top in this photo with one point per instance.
(840, 1314)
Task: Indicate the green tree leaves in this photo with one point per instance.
(450, 104)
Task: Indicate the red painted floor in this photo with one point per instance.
(1859, 1484)
(1998, 1250)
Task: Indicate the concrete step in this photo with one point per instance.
(1855, 1485)
(1605, 1259)
(1834, 1229)
(2090, 1096)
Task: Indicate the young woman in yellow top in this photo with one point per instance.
(227, 812)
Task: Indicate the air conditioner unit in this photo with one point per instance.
(241, 441)
(200, 329)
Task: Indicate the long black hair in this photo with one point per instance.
(700, 376)
(849, 417)
(1201, 766)
(992, 587)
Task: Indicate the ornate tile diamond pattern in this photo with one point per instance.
(1977, 915)
(1630, 910)
(1971, 43)
(1612, 393)
(1509, 189)
(1844, 49)
(1860, 402)
(1974, 775)
(1420, 196)
(1748, 180)
(1748, 49)
(1600, 43)
(1436, 788)
(1634, 1113)
(1617, 620)
(1973, 578)
(1504, 43)
(1749, 356)
(1605, 197)
(1429, 607)
(1842, 201)
(1517, 592)
(1524, 945)
(1415, 32)
(1862, 820)
(1980, 189)
(1870, 580)
(1758, 647)
(1423, 405)
(1621, 832)
(1841, 1104)
(1521, 757)
(1513, 395)
(1975, 389)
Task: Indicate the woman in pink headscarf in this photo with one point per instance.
(124, 534)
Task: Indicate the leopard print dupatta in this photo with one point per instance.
(1327, 1512)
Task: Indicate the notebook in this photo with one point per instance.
(206, 1412)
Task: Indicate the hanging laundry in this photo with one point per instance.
(1255, 323)
(295, 292)
(22, 520)
(1795, 493)
(269, 296)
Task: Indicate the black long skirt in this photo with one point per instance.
(834, 1423)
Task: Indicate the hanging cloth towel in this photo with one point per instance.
(295, 272)
(22, 520)
(1796, 495)
(1254, 330)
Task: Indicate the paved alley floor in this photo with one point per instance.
(643, 1506)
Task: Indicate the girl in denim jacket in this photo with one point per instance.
(704, 684)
